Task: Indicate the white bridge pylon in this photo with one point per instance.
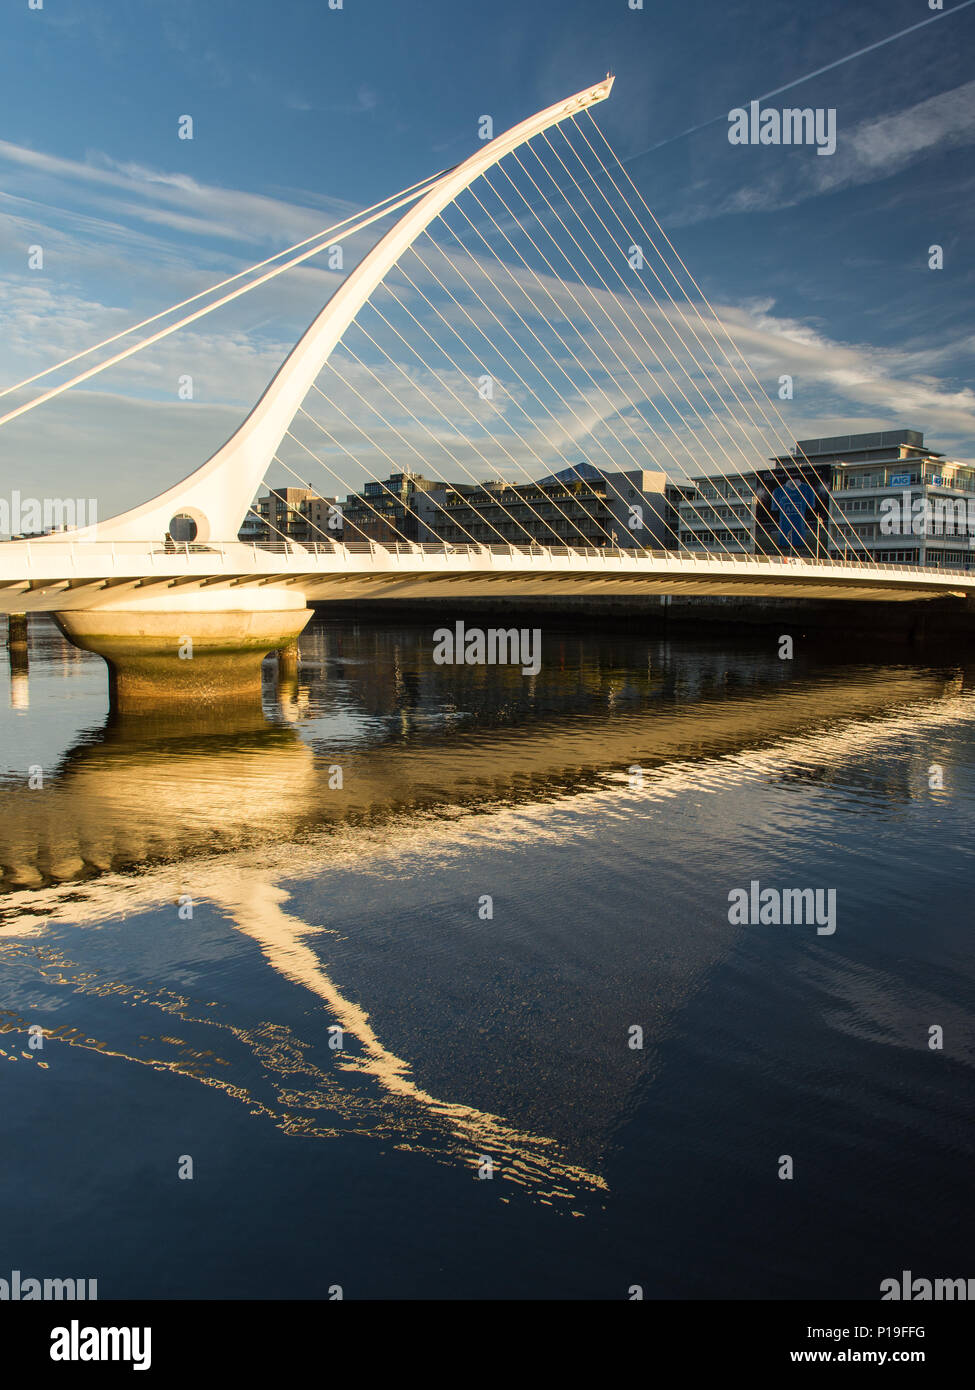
(218, 494)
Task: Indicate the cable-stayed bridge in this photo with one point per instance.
(524, 310)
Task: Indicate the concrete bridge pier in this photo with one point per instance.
(18, 649)
(288, 658)
(193, 649)
(17, 633)
(286, 676)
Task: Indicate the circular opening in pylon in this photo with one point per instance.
(183, 529)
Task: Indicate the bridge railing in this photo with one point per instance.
(230, 553)
(400, 548)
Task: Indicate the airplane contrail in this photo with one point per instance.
(942, 14)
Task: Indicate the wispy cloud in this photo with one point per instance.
(161, 198)
(872, 150)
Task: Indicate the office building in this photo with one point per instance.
(880, 496)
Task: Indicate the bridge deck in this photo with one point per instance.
(53, 575)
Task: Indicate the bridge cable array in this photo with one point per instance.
(542, 299)
(783, 435)
(321, 241)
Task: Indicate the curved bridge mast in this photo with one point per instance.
(218, 494)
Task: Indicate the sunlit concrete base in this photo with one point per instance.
(199, 648)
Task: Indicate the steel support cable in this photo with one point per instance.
(305, 483)
(454, 460)
(479, 483)
(370, 438)
(674, 302)
(632, 403)
(440, 347)
(519, 346)
(457, 271)
(358, 462)
(197, 314)
(388, 424)
(712, 526)
(289, 540)
(331, 539)
(426, 365)
(668, 350)
(727, 478)
(661, 360)
(511, 368)
(629, 399)
(559, 424)
(286, 539)
(709, 306)
(212, 289)
(614, 407)
(683, 290)
(328, 435)
(602, 194)
(457, 368)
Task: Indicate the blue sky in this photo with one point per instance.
(302, 113)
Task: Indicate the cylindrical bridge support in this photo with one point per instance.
(188, 648)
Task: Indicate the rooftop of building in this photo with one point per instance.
(843, 446)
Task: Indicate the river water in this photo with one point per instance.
(374, 965)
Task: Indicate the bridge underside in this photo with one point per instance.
(573, 585)
(70, 596)
(58, 592)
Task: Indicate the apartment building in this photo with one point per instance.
(292, 513)
(390, 510)
(579, 506)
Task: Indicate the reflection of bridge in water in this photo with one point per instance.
(242, 820)
(237, 781)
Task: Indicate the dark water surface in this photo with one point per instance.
(318, 907)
